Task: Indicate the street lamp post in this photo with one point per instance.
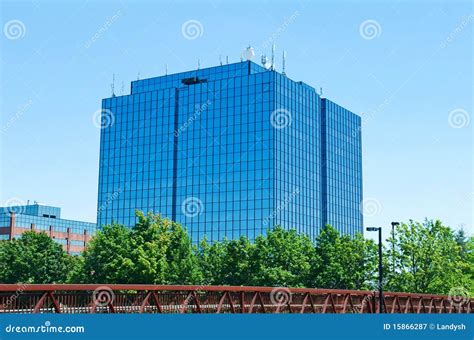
(394, 224)
(380, 267)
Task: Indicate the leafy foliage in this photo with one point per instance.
(282, 258)
(33, 258)
(344, 262)
(426, 258)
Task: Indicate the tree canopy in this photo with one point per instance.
(423, 257)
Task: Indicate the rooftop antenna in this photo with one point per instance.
(264, 61)
(320, 91)
(284, 63)
(220, 59)
(241, 57)
(199, 63)
(273, 57)
(166, 69)
(112, 86)
(138, 76)
(249, 53)
(227, 60)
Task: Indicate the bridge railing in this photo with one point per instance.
(118, 298)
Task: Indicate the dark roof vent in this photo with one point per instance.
(193, 80)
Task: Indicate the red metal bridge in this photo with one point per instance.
(94, 298)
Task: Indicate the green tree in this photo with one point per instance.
(33, 258)
(468, 268)
(182, 259)
(343, 262)
(236, 267)
(150, 241)
(282, 258)
(428, 259)
(107, 257)
(211, 257)
(154, 251)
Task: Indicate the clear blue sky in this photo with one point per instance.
(404, 71)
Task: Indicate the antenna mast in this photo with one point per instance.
(199, 63)
(273, 57)
(112, 86)
(166, 69)
(284, 63)
(220, 59)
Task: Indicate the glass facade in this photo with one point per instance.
(226, 151)
(342, 168)
(43, 217)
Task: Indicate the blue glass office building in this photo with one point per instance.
(228, 151)
(72, 235)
